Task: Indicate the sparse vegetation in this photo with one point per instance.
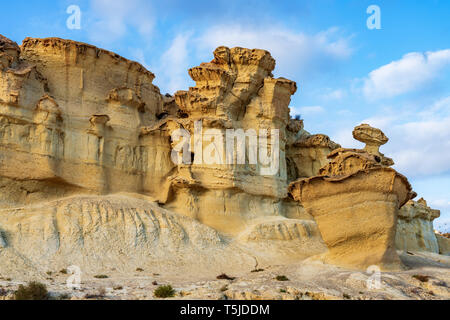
(224, 288)
(101, 292)
(49, 273)
(223, 276)
(118, 288)
(421, 278)
(282, 278)
(99, 295)
(282, 291)
(64, 296)
(63, 271)
(257, 270)
(140, 270)
(101, 276)
(182, 294)
(440, 283)
(33, 291)
(3, 292)
(164, 292)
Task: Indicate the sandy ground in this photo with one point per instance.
(305, 280)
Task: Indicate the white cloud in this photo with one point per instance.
(419, 146)
(173, 65)
(442, 203)
(295, 52)
(112, 19)
(412, 72)
(442, 225)
(310, 110)
(333, 95)
(380, 121)
(422, 147)
(345, 138)
(139, 56)
(419, 142)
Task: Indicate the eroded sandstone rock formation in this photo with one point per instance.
(87, 174)
(415, 230)
(355, 202)
(444, 244)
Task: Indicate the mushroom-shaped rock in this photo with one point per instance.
(356, 215)
(355, 201)
(372, 137)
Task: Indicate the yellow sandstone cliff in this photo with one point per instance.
(87, 175)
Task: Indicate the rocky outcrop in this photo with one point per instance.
(76, 120)
(444, 244)
(236, 90)
(415, 227)
(307, 154)
(111, 233)
(97, 168)
(373, 138)
(355, 202)
(70, 119)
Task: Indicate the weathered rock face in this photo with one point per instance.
(355, 202)
(111, 232)
(70, 121)
(89, 163)
(415, 227)
(307, 154)
(444, 244)
(78, 121)
(235, 90)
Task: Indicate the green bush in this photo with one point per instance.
(282, 278)
(33, 291)
(101, 276)
(164, 292)
(223, 276)
(421, 278)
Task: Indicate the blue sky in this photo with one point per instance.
(396, 78)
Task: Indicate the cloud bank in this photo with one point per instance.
(413, 71)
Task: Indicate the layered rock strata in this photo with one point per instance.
(79, 121)
(415, 227)
(90, 169)
(355, 202)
